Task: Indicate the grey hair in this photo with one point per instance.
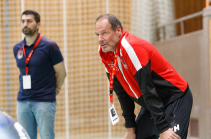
(113, 20)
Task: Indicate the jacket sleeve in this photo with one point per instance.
(153, 102)
(127, 104)
(140, 66)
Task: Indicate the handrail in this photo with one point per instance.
(179, 20)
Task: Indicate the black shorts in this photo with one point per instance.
(178, 117)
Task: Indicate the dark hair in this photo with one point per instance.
(36, 15)
(113, 20)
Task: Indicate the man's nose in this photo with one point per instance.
(25, 24)
(100, 38)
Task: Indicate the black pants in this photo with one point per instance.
(178, 117)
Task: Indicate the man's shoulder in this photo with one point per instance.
(49, 42)
(9, 128)
(19, 44)
(5, 118)
(130, 40)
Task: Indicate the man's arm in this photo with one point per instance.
(149, 93)
(140, 66)
(128, 106)
(60, 75)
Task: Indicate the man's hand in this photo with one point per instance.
(169, 134)
(130, 134)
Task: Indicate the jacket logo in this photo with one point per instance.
(20, 53)
(176, 128)
(123, 63)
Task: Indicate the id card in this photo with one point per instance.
(26, 81)
(113, 115)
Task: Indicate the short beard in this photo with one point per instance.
(29, 33)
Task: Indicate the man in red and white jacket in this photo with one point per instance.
(144, 76)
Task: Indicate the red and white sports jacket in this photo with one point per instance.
(146, 76)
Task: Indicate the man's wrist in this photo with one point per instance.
(131, 129)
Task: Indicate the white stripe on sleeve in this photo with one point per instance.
(131, 53)
(120, 68)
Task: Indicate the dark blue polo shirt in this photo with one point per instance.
(43, 79)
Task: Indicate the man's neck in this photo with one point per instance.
(30, 39)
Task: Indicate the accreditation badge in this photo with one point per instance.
(113, 115)
(26, 81)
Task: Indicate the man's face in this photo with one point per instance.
(107, 38)
(29, 25)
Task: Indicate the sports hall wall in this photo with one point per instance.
(184, 53)
(190, 54)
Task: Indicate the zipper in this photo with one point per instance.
(121, 71)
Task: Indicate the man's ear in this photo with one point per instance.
(119, 30)
(38, 25)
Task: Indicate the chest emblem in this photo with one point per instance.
(20, 53)
(123, 63)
